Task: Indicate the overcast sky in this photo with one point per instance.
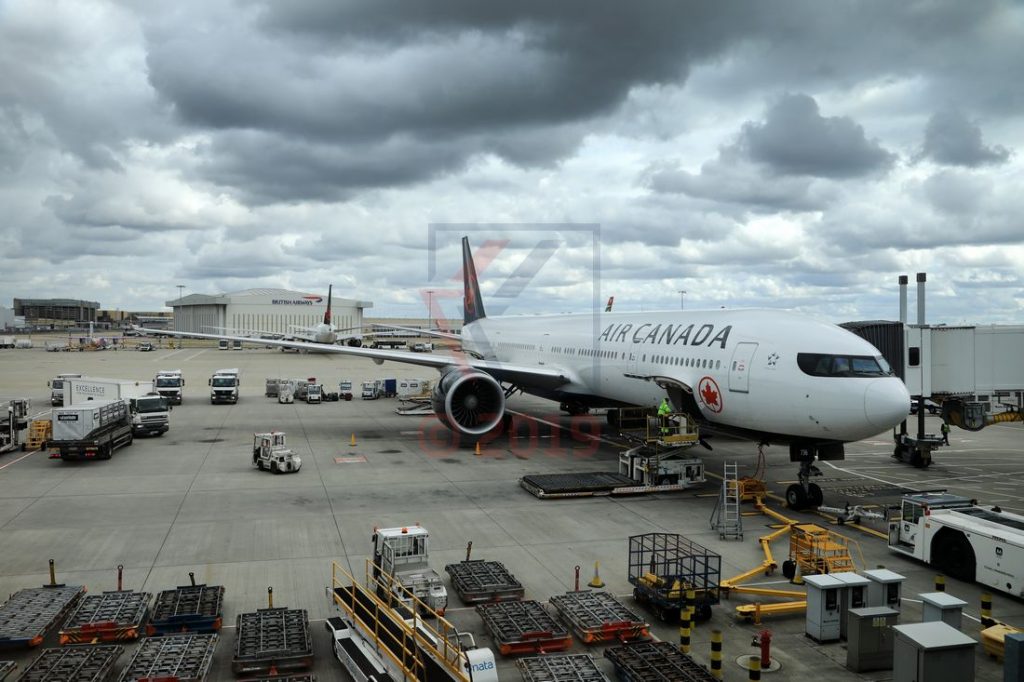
(794, 154)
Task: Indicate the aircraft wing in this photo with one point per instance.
(542, 377)
(422, 332)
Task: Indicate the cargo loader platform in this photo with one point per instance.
(523, 627)
(107, 617)
(477, 581)
(588, 484)
(599, 617)
(73, 664)
(29, 614)
(565, 668)
(272, 639)
(188, 608)
(655, 662)
(182, 658)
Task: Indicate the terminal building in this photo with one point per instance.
(56, 313)
(271, 311)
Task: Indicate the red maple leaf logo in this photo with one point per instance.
(709, 395)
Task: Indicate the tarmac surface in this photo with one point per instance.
(190, 501)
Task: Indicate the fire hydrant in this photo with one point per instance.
(763, 639)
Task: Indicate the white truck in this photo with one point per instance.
(314, 394)
(962, 539)
(224, 386)
(170, 384)
(372, 389)
(56, 385)
(400, 560)
(150, 413)
(271, 453)
(92, 429)
(6, 342)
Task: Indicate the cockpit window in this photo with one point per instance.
(821, 365)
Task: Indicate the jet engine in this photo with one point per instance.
(467, 401)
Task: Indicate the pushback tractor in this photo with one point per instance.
(962, 539)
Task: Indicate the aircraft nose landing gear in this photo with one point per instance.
(804, 494)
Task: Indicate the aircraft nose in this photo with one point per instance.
(886, 402)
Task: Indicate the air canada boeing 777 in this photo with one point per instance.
(767, 375)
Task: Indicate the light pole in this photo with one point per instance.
(430, 310)
(682, 299)
(181, 287)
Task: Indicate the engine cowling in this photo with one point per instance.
(468, 402)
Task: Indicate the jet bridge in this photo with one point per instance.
(975, 372)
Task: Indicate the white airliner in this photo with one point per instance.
(323, 333)
(768, 375)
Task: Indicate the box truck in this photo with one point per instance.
(92, 429)
(149, 411)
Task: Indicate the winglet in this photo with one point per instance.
(472, 302)
(327, 315)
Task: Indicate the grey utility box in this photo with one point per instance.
(1013, 664)
(823, 592)
(870, 639)
(852, 595)
(940, 606)
(932, 652)
(885, 588)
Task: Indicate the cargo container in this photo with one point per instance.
(93, 429)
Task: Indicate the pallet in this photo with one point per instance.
(107, 617)
(272, 640)
(599, 617)
(29, 614)
(565, 668)
(586, 484)
(182, 658)
(73, 664)
(655, 662)
(479, 581)
(6, 668)
(523, 627)
(188, 608)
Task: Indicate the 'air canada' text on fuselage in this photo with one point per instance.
(667, 334)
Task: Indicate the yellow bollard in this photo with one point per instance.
(691, 604)
(716, 654)
(352, 441)
(754, 668)
(476, 451)
(684, 631)
(940, 583)
(986, 610)
(270, 597)
(596, 583)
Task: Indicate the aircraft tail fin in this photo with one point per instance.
(611, 302)
(472, 302)
(327, 315)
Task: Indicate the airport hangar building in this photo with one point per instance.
(274, 311)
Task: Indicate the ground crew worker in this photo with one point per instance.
(663, 412)
(945, 432)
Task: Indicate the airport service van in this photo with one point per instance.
(90, 430)
(224, 386)
(962, 539)
(150, 412)
(170, 384)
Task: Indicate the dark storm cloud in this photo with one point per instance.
(795, 139)
(951, 139)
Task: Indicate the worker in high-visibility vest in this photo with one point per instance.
(663, 412)
(945, 432)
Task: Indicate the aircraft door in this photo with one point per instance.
(739, 370)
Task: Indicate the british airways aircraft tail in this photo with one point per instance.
(472, 302)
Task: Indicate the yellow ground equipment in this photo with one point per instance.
(812, 549)
(39, 432)
(672, 431)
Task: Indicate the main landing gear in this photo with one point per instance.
(804, 494)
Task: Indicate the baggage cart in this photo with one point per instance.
(73, 664)
(655, 661)
(664, 566)
(599, 617)
(523, 627)
(562, 668)
(477, 581)
(272, 639)
(107, 617)
(29, 614)
(181, 658)
(188, 608)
